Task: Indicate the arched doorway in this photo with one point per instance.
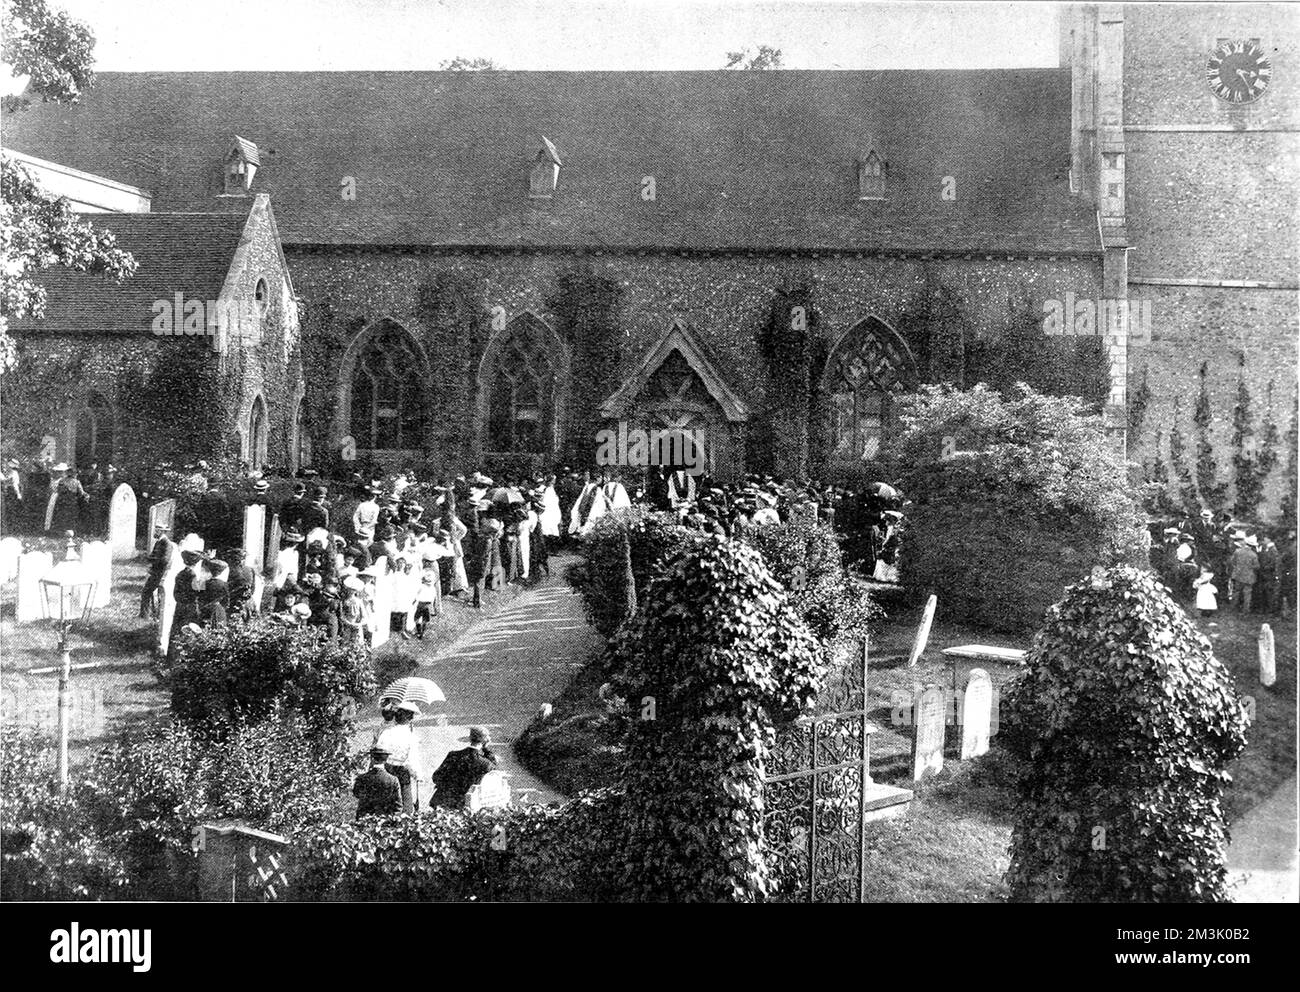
(867, 369)
(386, 406)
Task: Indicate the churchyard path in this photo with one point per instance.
(497, 674)
(1262, 857)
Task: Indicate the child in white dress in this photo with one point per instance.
(1206, 593)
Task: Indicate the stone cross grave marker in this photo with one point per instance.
(121, 522)
(1267, 656)
(97, 556)
(976, 714)
(923, 631)
(162, 513)
(927, 738)
(32, 567)
(254, 536)
(10, 550)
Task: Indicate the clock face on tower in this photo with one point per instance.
(1238, 71)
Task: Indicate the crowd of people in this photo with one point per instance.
(55, 497)
(1211, 562)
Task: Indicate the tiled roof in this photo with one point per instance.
(187, 253)
(748, 160)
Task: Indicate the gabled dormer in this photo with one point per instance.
(239, 166)
(873, 173)
(545, 173)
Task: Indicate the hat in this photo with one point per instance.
(478, 480)
(12, 463)
(192, 544)
(379, 752)
(261, 486)
(1171, 530)
(353, 583)
(320, 492)
(299, 488)
(300, 610)
(293, 536)
(407, 707)
(1207, 514)
(478, 735)
(1252, 541)
(60, 467)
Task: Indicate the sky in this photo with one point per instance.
(160, 35)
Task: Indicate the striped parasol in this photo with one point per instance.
(413, 689)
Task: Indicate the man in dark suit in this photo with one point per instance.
(377, 791)
(315, 514)
(461, 770)
(160, 560)
(291, 511)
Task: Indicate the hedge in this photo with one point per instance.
(1123, 727)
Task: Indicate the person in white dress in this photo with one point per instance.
(403, 748)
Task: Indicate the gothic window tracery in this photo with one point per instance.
(867, 371)
(521, 399)
(388, 402)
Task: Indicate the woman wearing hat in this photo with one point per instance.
(11, 497)
(403, 749)
(353, 616)
(66, 500)
(189, 582)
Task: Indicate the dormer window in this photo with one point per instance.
(872, 170)
(240, 166)
(545, 173)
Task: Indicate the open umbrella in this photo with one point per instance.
(413, 689)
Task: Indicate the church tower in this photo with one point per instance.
(1186, 138)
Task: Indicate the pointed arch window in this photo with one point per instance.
(521, 398)
(388, 409)
(868, 369)
(93, 431)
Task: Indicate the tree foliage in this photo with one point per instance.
(56, 52)
(766, 57)
(1032, 497)
(1124, 724)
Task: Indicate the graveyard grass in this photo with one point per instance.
(120, 693)
(951, 845)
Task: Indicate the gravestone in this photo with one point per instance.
(32, 567)
(161, 513)
(10, 550)
(923, 631)
(168, 611)
(121, 522)
(1267, 656)
(976, 714)
(927, 738)
(273, 544)
(254, 536)
(259, 593)
(97, 557)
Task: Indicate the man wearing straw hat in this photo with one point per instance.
(1244, 568)
(461, 770)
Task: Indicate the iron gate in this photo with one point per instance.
(814, 784)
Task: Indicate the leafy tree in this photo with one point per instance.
(462, 64)
(1122, 727)
(766, 57)
(37, 230)
(1032, 495)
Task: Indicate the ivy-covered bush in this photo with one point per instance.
(600, 576)
(713, 658)
(1033, 496)
(244, 671)
(1123, 727)
(530, 853)
(124, 830)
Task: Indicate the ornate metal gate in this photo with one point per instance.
(814, 785)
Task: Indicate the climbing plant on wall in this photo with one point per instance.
(325, 338)
(449, 307)
(1138, 399)
(1212, 489)
(1187, 490)
(588, 308)
(1288, 508)
(786, 342)
(1252, 459)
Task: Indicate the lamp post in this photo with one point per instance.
(67, 595)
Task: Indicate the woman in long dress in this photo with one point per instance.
(66, 503)
(457, 581)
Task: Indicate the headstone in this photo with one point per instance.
(254, 536)
(927, 739)
(121, 522)
(32, 567)
(977, 714)
(923, 631)
(259, 593)
(10, 550)
(168, 611)
(273, 544)
(1267, 657)
(97, 557)
(162, 513)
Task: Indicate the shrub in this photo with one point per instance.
(1124, 723)
(720, 655)
(549, 853)
(243, 671)
(1035, 493)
